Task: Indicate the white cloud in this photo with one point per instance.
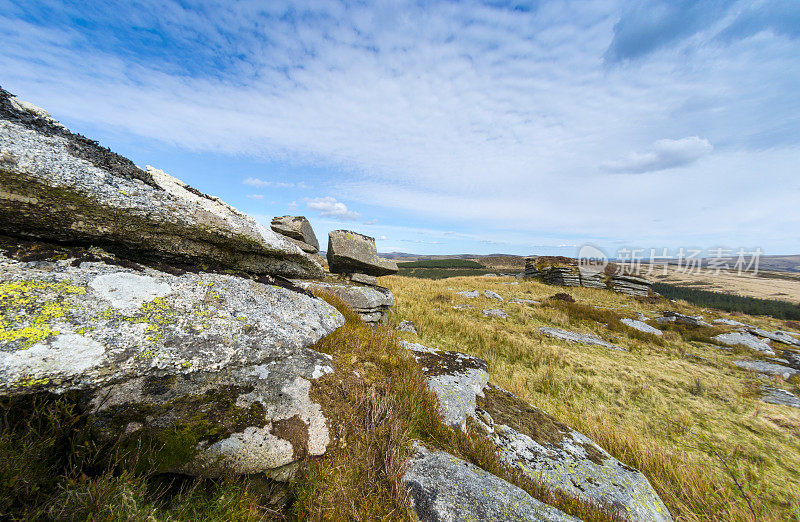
(292, 206)
(255, 196)
(330, 207)
(664, 154)
(371, 222)
(257, 182)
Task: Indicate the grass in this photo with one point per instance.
(441, 263)
(729, 302)
(675, 408)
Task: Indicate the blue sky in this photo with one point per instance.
(444, 127)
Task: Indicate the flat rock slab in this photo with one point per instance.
(469, 294)
(564, 459)
(575, 337)
(443, 488)
(297, 228)
(358, 297)
(641, 326)
(495, 312)
(523, 301)
(691, 320)
(768, 368)
(781, 337)
(744, 339)
(492, 295)
(350, 252)
(67, 327)
(730, 322)
(462, 307)
(254, 419)
(780, 397)
(58, 186)
(455, 378)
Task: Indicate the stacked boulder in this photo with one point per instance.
(298, 230)
(355, 266)
(565, 271)
(164, 312)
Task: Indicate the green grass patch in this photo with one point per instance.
(441, 263)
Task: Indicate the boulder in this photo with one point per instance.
(407, 326)
(371, 302)
(71, 324)
(691, 320)
(792, 358)
(744, 339)
(564, 459)
(730, 322)
(641, 326)
(575, 337)
(252, 419)
(350, 252)
(768, 368)
(59, 186)
(566, 271)
(781, 337)
(364, 279)
(469, 294)
(455, 378)
(443, 488)
(299, 229)
(492, 295)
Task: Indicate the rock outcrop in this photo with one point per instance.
(768, 368)
(744, 339)
(299, 230)
(641, 326)
(58, 186)
(565, 271)
(353, 253)
(372, 303)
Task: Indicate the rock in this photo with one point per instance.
(407, 326)
(349, 252)
(364, 279)
(495, 312)
(462, 307)
(631, 285)
(370, 302)
(58, 186)
(253, 419)
(514, 283)
(744, 339)
(490, 275)
(730, 322)
(640, 316)
(78, 327)
(443, 488)
(492, 295)
(564, 459)
(768, 368)
(780, 397)
(665, 320)
(469, 294)
(792, 358)
(575, 337)
(565, 271)
(455, 378)
(691, 320)
(523, 301)
(299, 229)
(781, 337)
(641, 326)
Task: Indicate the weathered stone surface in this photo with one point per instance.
(57, 186)
(462, 307)
(565, 459)
(495, 312)
(780, 397)
(407, 326)
(781, 337)
(665, 320)
(792, 358)
(523, 301)
(744, 339)
(575, 337)
(564, 271)
(691, 320)
(641, 326)
(298, 228)
(371, 302)
(443, 488)
(730, 322)
(364, 279)
(492, 295)
(768, 368)
(469, 294)
(455, 378)
(253, 419)
(76, 327)
(350, 252)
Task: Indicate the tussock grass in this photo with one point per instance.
(711, 449)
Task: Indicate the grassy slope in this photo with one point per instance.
(693, 426)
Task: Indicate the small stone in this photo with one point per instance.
(576, 337)
(495, 312)
(469, 294)
(492, 295)
(407, 326)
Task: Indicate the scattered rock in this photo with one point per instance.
(492, 295)
(469, 294)
(523, 301)
(768, 368)
(455, 378)
(371, 302)
(512, 283)
(641, 326)
(665, 319)
(495, 312)
(350, 252)
(407, 326)
(65, 188)
(490, 275)
(779, 336)
(576, 337)
(730, 322)
(299, 229)
(691, 320)
(462, 307)
(780, 397)
(744, 339)
(444, 488)
(641, 316)
(792, 358)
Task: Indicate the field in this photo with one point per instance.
(444, 268)
(730, 302)
(676, 408)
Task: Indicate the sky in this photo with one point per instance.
(444, 127)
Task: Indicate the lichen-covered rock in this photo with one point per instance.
(443, 488)
(65, 327)
(565, 459)
(780, 397)
(495, 312)
(691, 320)
(492, 295)
(781, 337)
(252, 419)
(744, 339)
(371, 302)
(641, 326)
(58, 186)
(768, 368)
(350, 252)
(516, 300)
(407, 326)
(455, 378)
(469, 294)
(299, 229)
(575, 337)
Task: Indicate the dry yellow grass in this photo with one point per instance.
(766, 285)
(694, 426)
